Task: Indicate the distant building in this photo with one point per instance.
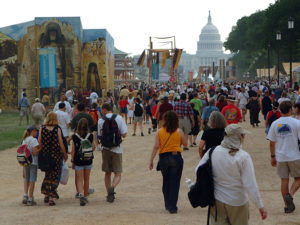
(209, 51)
(124, 66)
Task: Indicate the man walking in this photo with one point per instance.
(186, 116)
(283, 135)
(243, 100)
(112, 155)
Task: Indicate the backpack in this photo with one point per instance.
(272, 118)
(202, 192)
(138, 111)
(94, 115)
(111, 136)
(23, 155)
(86, 148)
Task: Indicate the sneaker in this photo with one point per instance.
(133, 135)
(83, 201)
(111, 195)
(31, 202)
(91, 191)
(25, 199)
(149, 130)
(194, 143)
(142, 134)
(290, 203)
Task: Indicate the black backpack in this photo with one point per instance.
(111, 136)
(138, 111)
(202, 192)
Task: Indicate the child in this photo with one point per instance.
(196, 129)
(30, 172)
(138, 112)
(82, 167)
(95, 114)
(123, 103)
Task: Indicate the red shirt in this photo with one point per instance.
(123, 103)
(232, 114)
(270, 113)
(154, 108)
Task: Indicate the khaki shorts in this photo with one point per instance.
(284, 169)
(24, 111)
(229, 215)
(137, 119)
(111, 162)
(185, 125)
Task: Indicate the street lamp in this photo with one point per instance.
(278, 38)
(291, 27)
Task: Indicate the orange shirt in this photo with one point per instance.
(169, 143)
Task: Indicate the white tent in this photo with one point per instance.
(297, 69)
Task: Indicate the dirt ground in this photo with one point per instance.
(139, 199)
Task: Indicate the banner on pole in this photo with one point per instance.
(48, 75)
(155, 71)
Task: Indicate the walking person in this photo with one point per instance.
(38, 112)
(196, 129)
(24, 108)
(234, 178)
(51, 142)
(186, 116)
(81, 163)
(30, 171)
(242, 102)
(254, 108)
(266, 104)
(206, 113)
(130, 107)
(284, 135)
(63, 120)
(138, 112)
(231, 113)
(162, 108)
(123, 103)
(111, 129)
(168, 143)
(213, 136)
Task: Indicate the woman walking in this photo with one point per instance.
(215, 134)
(51, 142)
(168, 142)
(254, 108)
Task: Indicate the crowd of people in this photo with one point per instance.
(185, 116)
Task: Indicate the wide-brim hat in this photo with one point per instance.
(235, 129)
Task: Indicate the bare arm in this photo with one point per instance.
(272, 151)
(183, 139)
(154, 151)
(201, 146)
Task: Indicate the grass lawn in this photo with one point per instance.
(10, 132)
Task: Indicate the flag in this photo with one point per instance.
(155, 71)
(165, 56)
(141, 59)
(176, 58)
(48, 74)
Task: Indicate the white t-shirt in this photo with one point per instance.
(93, 97)
(68, 107)
(122, 127)
(243, 97)
(285, 131)
(31, 143)
(63, 120)
(234, 177)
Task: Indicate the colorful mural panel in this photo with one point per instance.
(83, 58)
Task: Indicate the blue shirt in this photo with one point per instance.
(207, 111)
(24, 102)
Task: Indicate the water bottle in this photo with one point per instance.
(189, 182)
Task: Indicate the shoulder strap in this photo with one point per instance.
(210, 153)
(113, 117)
(104, 117)
(87, 136)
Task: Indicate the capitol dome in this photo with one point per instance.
(209, 39)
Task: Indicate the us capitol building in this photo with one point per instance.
(209, 51)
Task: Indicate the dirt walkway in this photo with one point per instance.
(139, 198)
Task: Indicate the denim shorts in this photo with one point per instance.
(30, 173)
(87, 167)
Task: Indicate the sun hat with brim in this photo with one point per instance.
(235, 129)
(37, 100)
(31, 128)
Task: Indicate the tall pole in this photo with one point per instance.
(291, 27)
(269, 73)
(278, 38)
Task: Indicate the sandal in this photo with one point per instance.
(51, 203)
(46, 199)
